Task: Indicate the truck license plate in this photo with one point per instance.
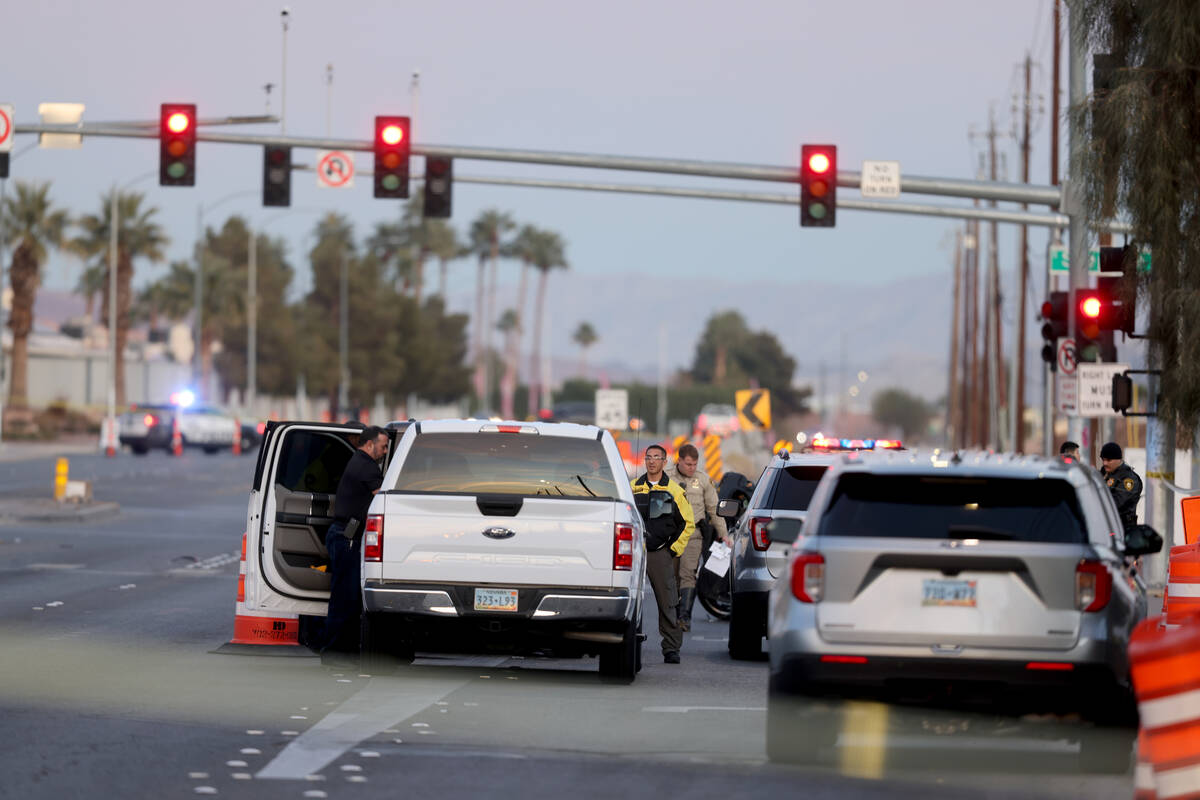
(496, 600)
(939, 592)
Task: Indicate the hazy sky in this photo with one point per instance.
(745, 82)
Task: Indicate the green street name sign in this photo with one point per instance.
(1059, 261)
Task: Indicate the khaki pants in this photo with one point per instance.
(660, 569)
(687, 564)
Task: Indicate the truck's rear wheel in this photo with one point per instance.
(384, 646)
(619, 662)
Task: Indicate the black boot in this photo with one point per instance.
(687, 597)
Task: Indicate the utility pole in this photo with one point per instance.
(995, 300)
(283, 18)
(1074, 199)
(343, 335)
(952, 405)
(251, 401)
(1056, 235)
(1019, 415)
(329, 99)
(972, 282)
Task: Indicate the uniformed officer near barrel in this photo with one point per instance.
(1122, 481)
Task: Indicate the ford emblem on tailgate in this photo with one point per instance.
(498, 533)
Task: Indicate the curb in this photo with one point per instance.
(92, 511)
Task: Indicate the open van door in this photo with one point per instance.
(290, 511)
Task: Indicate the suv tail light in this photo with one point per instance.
(808, 577)
(373, 538)
(1093, 585)
(758, 532)
(622, 546)
(149, 420)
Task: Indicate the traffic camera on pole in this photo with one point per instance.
(818, 185)
(177, 145)
(392, 149)
(439, 182)
(277, 175)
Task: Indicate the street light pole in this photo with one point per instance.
(110, 448)
(343, 338)
(252, 325)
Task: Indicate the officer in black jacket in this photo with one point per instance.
(1122, 481)
(357, 487)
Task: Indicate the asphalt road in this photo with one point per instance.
(109, 686)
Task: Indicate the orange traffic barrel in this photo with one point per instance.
(1166, 676)
(1182, 597)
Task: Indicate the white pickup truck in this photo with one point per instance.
(485, 537)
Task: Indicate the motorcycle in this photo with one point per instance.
(712, 590)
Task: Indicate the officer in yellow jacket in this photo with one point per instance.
(667, 515)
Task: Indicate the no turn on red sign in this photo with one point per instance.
(6, 127)
(335, 169)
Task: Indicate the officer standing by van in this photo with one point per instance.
(359, 484)
(702, 496)
(667, 514)
(1122, 481)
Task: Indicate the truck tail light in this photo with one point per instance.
(622, 547)
(373, 538)
(758, 532)
(808, 577)
(1093, 585)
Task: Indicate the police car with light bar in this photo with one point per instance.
(763, 536)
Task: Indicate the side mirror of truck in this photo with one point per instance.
(1142, 540)
(728, 509)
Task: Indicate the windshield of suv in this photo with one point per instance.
(940, 507)
(507, 463)
(794, 487)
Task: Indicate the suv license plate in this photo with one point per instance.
(938, 592)
(496, 600)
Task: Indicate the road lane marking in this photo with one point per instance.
(53, 565)
(686, 709)
(382, 704)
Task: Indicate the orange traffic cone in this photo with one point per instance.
(1182, 597)
(237, 438)
(269, 628)
(176, 437)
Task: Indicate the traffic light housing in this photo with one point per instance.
(3, 165)
(1093, 320)
(1054, 326)
(818, 185)
(439, 184)
(177, 145)
(277, 175)
(1122, 291)
(393, 146)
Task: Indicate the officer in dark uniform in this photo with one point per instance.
(360, 481)
(1122, 481)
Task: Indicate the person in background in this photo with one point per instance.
(1069, 452)
(1122, 481)
(357, 487)
(667, 515)
(702, 495)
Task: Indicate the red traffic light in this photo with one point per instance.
(818, 163)
(178, 122)
(1090, 307)
(392, 134)
(1047, 309)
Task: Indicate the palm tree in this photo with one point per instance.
(390, 244)
(510, 326)
(523, 247)
(584, 336)
(445, 246)
(30, 220)
(486, 231)
(549, 254)
(92, 285)
(138, 236)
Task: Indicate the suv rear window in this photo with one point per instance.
(533, 465)
(940, 507)
(794, 487)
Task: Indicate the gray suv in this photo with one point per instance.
(936, 568)
(780, 497)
